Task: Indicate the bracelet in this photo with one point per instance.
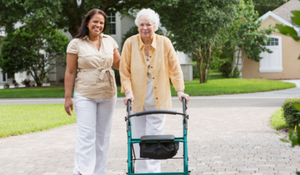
(179, 90)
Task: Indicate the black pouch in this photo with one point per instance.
(159, 150)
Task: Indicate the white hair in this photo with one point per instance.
(150, 15)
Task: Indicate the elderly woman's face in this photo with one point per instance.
(146, 28)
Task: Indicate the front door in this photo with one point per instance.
(272, 62)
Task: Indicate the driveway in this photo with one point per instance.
(227, 134)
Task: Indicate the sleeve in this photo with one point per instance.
(73, 47)
(115, 44)
(175, 71)
(125, 67)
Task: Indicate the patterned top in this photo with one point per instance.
(95, 78)
(164, 64)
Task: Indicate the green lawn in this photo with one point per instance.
(215, 86)
(233, 86)
(21, 119)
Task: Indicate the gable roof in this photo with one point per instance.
(279, 19)
(284, 11)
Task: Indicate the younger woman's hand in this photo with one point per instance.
(68, 106)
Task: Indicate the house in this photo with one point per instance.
(283, 63)
(118, 25)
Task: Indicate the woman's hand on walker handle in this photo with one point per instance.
(129, 95)
(68, 106)
(181, 94)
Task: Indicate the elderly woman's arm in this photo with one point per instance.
(176, 73)
(125, 72)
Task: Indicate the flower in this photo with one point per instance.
(241, 20)
(219, 50)
(241, 16)
(211, 50)
(246, 20)
(243, 38)
(223, 61)
(224, 46)
(233, 19)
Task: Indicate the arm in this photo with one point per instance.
(125, 72)
(176, 74)
(117, 59)
(70, 75)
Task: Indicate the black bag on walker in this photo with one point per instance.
(159, 150)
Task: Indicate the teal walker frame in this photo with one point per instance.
(131, 141)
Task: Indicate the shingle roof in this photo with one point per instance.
(284, 11)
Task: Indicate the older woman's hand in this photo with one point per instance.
(129, 95)
(181, 94)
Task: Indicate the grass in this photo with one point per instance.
(21, 119)
(216, 85)
(45, 92)
(232, 86)
(278, 120)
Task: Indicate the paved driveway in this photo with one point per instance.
(222, 139)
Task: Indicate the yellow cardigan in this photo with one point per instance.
(164, 64)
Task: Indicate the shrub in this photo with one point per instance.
(26, 82)
(6, 86)
(290, 113)
(225, 69)
(16, 84)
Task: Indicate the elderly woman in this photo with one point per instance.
(148, 61)
(92, 53)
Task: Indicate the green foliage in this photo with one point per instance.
(26, 82)
(277, 120)
(194, 26)
(290, 31)
(263, 6)
(6, 86)
(243, 32)
(61, 14)
(36, 51)
(226, 68)
(290, 113)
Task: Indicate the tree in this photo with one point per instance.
(263, 6)
(288, 30)
(243, 35)
(195, 26)
(61, 14)
(35, 51)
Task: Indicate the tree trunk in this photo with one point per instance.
(199, 65)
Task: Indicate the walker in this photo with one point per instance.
(157, 141)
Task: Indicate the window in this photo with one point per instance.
(273, 42)
(111, 23)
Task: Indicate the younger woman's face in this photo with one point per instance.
(96, 24)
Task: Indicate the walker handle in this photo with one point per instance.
(128, 106)
(184, 107)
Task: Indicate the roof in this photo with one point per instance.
(284, 11)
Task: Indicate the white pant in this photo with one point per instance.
(94, 118)
(153, 124)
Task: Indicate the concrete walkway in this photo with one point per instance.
(221, 140)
